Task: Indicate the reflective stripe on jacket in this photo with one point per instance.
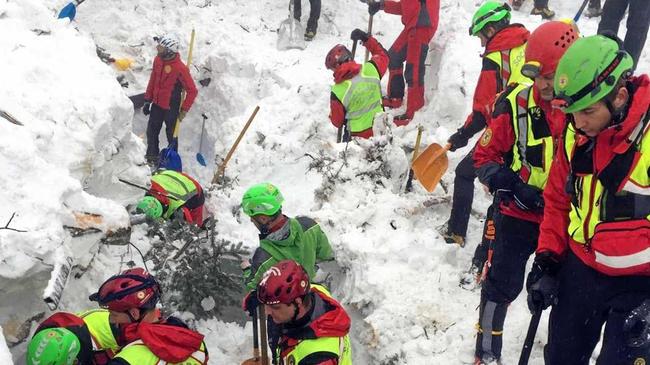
(137, 353)
(179, 187)
(510, 62)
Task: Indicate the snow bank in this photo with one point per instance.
(5, 355)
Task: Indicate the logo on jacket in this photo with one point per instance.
(486, 137)
(168, 69)
(292, 360)
(639, 361)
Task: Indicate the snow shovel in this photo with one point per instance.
(70, 10)
(291, 34)
(199, 157)
(169, 157)
(255, 360)
(409, 181)
(430, 165)
(530, 337)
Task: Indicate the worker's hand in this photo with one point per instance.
(458, 139)
(542, 282)
(527, 197)
(359, 35)
(375, 6)
(182, 115)
(146, 108)
(250, 302)
(636, 328)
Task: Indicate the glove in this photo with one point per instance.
(375, 6)
(542, 282)
(250, 302)
(636, 328)
(146, 108)
(504, 179)
(458, 140)
(527, 197)
(359, 35)
(182, 115)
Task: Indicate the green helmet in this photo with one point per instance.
(53, 346)
(490, 12)
(262, 199)
(589, 71)
(151, 207)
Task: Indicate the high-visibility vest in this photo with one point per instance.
(510, 62)
(533, 147)
(178, 186)
(100, 330)
(610, 213)
(361, 97)
(137, 353)
(338, 346)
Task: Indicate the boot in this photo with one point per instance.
(402, 120)
(516, 4)
(593, 11)
(309, 35)
(471, 279)
(392, 103)
(452, 238)
(545, 12)
(152, 161)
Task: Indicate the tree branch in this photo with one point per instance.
(9, 222)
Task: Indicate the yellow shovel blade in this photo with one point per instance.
(430, 165)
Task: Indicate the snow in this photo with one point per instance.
(400, 280)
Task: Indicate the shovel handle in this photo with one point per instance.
(222, 168)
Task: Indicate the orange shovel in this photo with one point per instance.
(430, 165)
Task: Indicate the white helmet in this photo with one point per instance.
(168, 41)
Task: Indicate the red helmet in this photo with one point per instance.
(282, 283)
(545, 47)
(337, 55)
(133, 288)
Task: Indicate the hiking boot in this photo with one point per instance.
(516, 4)
(392, 103)
(471, 279)
(453, 238)
(309, 35)
(545, 12)
(593, 12)
(402, 120)
(152, 161)
(486, 360)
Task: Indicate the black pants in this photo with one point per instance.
(157, 116)
(463, 195)
(638, 20)
(515, 241)
(314, 13)
(587, 301)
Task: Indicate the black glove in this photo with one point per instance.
(375, 6)
(458, 139)
(504, 179)
(542, 282)
(636, 328)
(146, 108)
(250, 302)
(359, 35)
(527, 197)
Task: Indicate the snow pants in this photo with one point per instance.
(461, 205)
(638, 21)
(587, 301)
(516, 240)
(314, 13)
(157, 116)
(412, 46)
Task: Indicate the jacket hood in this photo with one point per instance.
(346, 71)
(512, 36)
(170, 342)
(333, 323)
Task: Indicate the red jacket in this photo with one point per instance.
(489, 83)
(334, 322)
(553, 235)
(166, 74)
(349, 70)
(412, 15)
(496, 151)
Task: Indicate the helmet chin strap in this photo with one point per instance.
(295, 311)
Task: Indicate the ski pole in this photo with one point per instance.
(530, 337)
(147, 189)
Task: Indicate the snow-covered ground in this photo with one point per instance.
(401, 280)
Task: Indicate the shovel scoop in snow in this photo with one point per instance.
(291, 33)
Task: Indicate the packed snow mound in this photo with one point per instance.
(71, 137)
(5, 355)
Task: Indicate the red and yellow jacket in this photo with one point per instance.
(165, 77)
(597, 194)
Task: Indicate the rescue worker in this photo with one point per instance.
(131, 299)
(313, 326)
(638, 21)
(356, 93)
(540, 7)
(503, 58)
(172, 195)
(57, 346)
(591, 261)
(513, 158)
(420, 20)
(162, 99)
(314, 15)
